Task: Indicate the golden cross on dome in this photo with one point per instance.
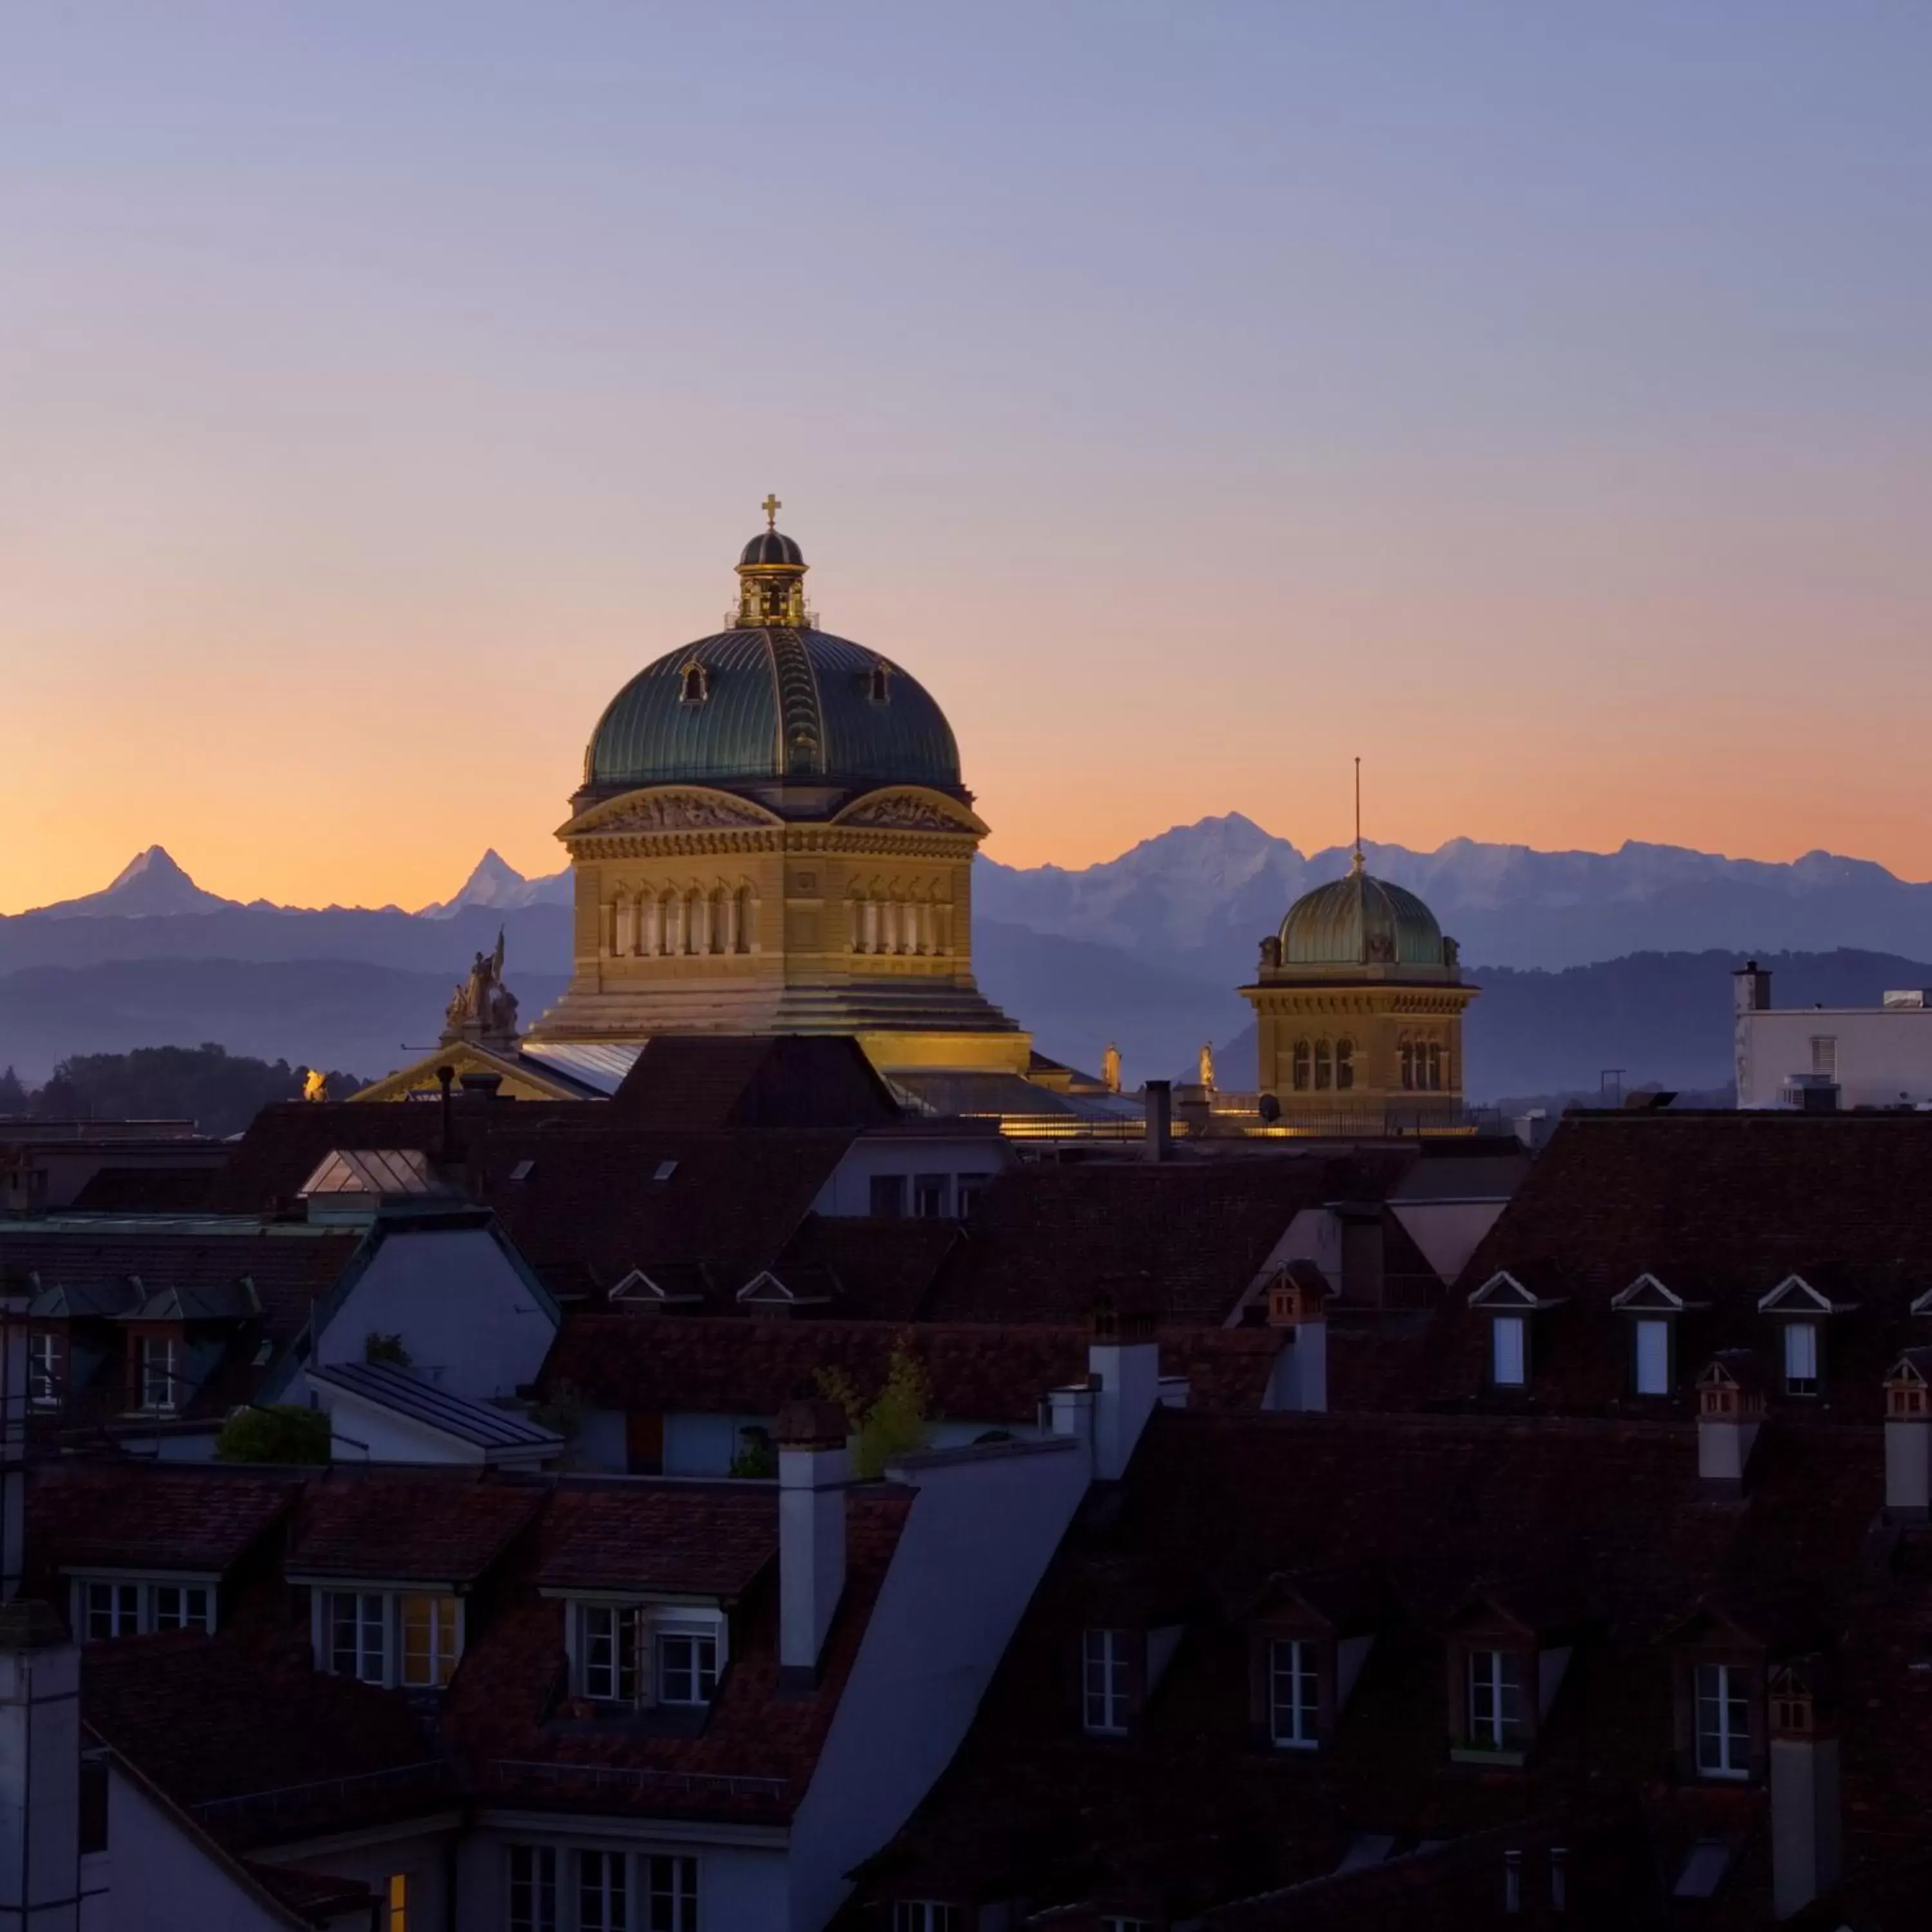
(771, 506)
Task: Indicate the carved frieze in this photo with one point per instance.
(904, 811)
(677, 812)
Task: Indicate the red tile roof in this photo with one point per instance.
(437, 1525)
(114, 1516)
(711, 1541)
(976, 1371)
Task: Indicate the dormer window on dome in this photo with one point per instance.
(880, 683)
(695, 686)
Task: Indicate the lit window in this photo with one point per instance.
(1652, 1341)
(398, 1902)
(182, 1606)
(925, 1914)
(357, 1625)
(928, 1196)
(1324, 1067)
(1724, 1721)
(430, 1643)
(1345, 1064)
(671, 1893)
(609, 1633)
(43, 1369)
(1507, 1353)
(687, 1667)
(1106, 1680)
(603, 1896)
(533, 1889)
(1801, 1358)
(1291, 1694)
(1495, 1699)
(161, 1371)
(1302, 1063)
(113, 1609)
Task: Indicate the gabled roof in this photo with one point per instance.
(975, 1372)
(432, 1525)
(1504, 1290)
(382, 1173)
(1794, 1295)
(119, 1516)
(699, 1083)
(482, 1425)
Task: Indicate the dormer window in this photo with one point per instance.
(879, 684)
(1509, 1306)
(1496, 1700)
(1509, 1351)
(1801, 1358)
(695, 687)
(1801, 1310)
(46, 1368)
(1295, 1701)
(1653, 1311)
(1723, 1721)
(639, 1653)
(105, 1608)
(159, 1366)
(1105, 1681)
(391, 1637)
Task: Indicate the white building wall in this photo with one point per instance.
(162, 1878)
(980, 1535)
(848, 1190)
(1882, 1054)
(1448, 1232)
(466, 1316)
(696, 1445)
(741, 1887)
(363, 1432)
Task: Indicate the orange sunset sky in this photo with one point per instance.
(1538, 408)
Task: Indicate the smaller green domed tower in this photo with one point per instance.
(1358, 1006)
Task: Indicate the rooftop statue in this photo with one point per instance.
(482, 1007)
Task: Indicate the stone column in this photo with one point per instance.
(622, 942)
(731, 922)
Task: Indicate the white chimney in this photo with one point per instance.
(1806, 1835)
(814, 1471)
(1297, 1310)
(1123, 1373)
(40, 1770)
(1908, 1435)
(13, 1447)
(1730, 1411)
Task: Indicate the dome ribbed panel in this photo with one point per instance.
(1332, 925)
(782, 704)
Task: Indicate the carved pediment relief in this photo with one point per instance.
(672, 808)
(911, 809)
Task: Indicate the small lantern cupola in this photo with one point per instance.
(771, 578)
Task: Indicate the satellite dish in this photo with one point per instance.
(1271, 1108)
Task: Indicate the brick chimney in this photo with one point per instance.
(814, 1470)
(1908, 1435)
(1297, 1309)
(40, 1770)
(1730, 1412)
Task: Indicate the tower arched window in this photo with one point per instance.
(1405, 1052)
(696, 686)
(1345, 1064)
(1324, 1065)
(1301, 1066)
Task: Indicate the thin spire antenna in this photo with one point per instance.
(1359, 860)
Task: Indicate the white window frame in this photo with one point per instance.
(443, 1613)
(532, 1871)
(926, 1915)
(1728, 1692)
(1650, 1366)
(601, 1879)
(1293, 1669)
(668, 1891)
(938, 1187)
(365, 1622)
(1800, 1351)
(1494, 1680)
(133, 1607)
(160, 1363)
(1509, 1365)
(1104, 1684)
(700, 1672)
(610, 1650)
(43, 1368)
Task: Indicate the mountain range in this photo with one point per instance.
(1146, 950)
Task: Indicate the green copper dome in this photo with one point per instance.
(773, 701)
(1358, 921)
